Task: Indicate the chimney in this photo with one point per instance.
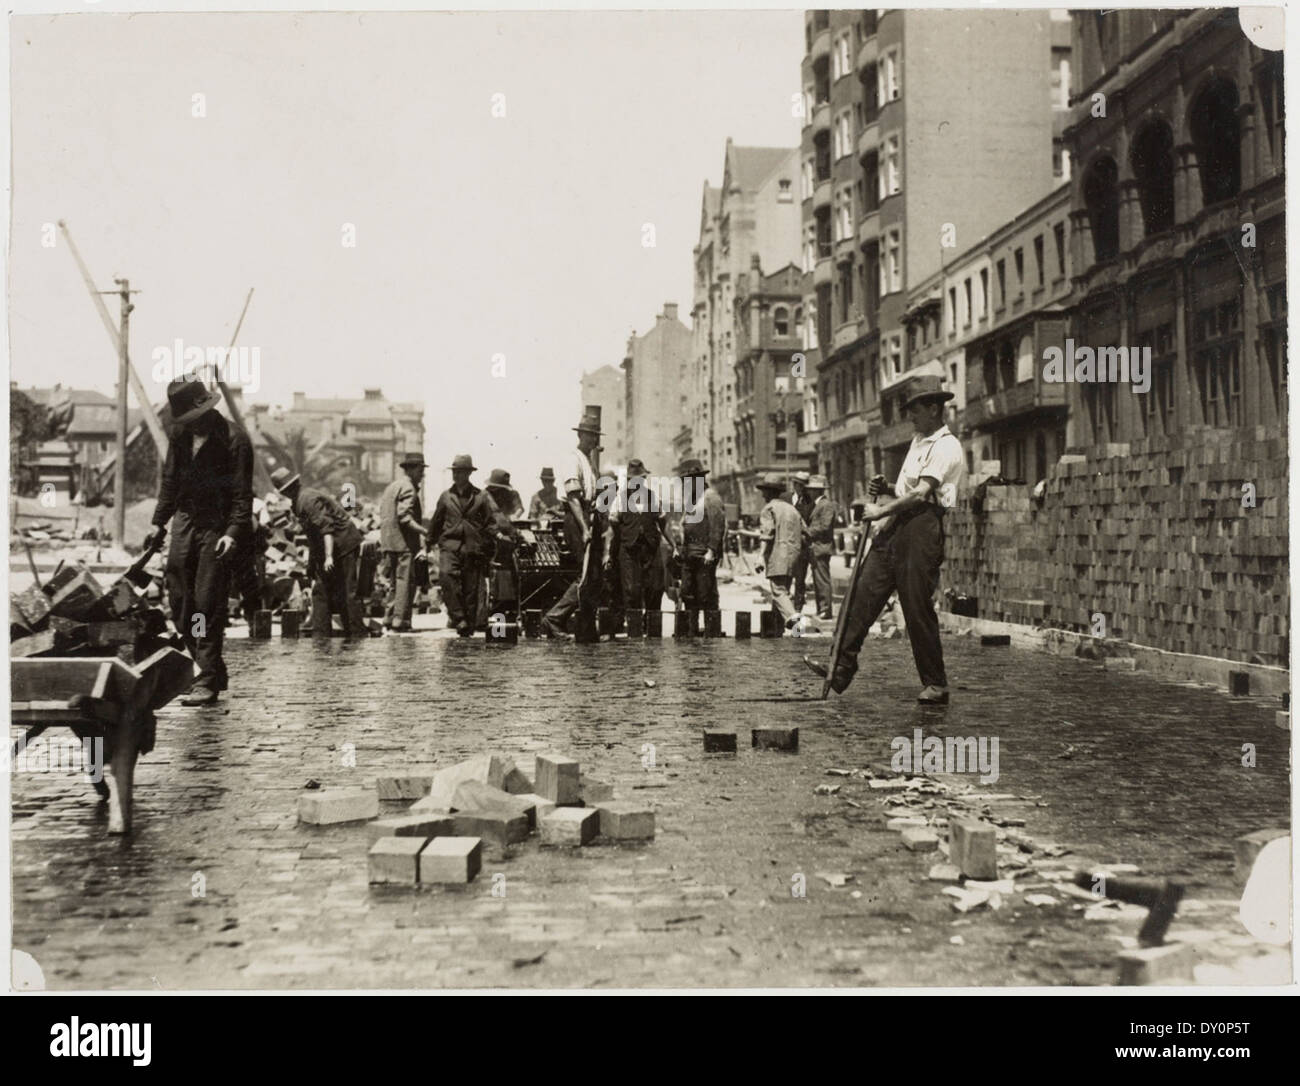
(670, 311)
(299, 400)
(373, 394)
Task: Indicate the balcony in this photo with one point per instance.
(821, 119)
(869, 229)
(821, 46)
(1010, 402)
(844, 250)
(869, 139)
(898, 433)
(822, 195)
(867, 55)
(851, 427)
(844, 335)
(822, 272)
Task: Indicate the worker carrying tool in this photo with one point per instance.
(907, 549)
(583, 527)
(207, 487)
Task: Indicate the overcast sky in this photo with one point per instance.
(475, 235)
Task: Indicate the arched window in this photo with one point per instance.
(1217, 137)
(1101, 196)
(1153, 166)
(781, 320)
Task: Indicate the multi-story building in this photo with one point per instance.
(606, 388)
(754, 213)
(983, 324)
(769, 386)
(1178, 226)
(655, 370)
(914, 146)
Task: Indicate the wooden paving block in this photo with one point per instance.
(395, 860)
(594, 791)
(1169, 964)
(259, 626)
(684, 623)
(775, 738)
(416, 825)
(32, 603)
(719, 742)
(1239, 683)
(290, 623)
(450, 860)
(403, 787)
(973, 847)
(713, 624)
(622, 820)
(558, 779)
(32, 644)
(541, 806)
(491, 769)
(475, 796)
(570, 826)
(605, 622)
(1282, 719)
(654, 624)
(77, 597)
(920, 839)
(329, 806)
(584, 627)
(994, 640)
(532, 623)
(501, 634)
(635, 624)
(743, 619)
(516, 781)
(498, 826)
(769, 624)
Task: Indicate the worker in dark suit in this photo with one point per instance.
(802, 501)
(704, 531)
(636, 530)
(334, 547)
(822, 521)
(207, 487)
(462, 528)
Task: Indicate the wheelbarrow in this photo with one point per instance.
(100, 698)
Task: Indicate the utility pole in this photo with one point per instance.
(123, 371)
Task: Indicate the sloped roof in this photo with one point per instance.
(370, 411)
(47, 396)
(749, 167)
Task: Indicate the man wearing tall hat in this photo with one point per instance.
(583, 535)
(907, 550)
(822, 520)
(207, 487)
(548, 501)
(781, 529)
(462, 528)
(402, 540)
(334, 546)
(803, 504)
(636, 530)
(704, 531)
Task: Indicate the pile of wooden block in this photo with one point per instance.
(484, 800)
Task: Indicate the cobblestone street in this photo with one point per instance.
(1120, 768)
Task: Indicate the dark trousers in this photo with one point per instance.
(335, 593)
(198, 584)
(821, 573)
(699, 590)
(907, 559)
(799, 578)
(638, 572)
(401, 587)
(463, 576)
(585, 594)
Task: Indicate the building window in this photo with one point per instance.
(952, 310)
(1020, 272)
(1101, 196)
(1038, 258)
(784, 194)
(1152, 159)
(1002, 283)
(843, 134)
(891, 262)
(781, 321)
(806, 179)
(984, 294)
(1269, 82)
(894, 355)
(970, 308)
(888, 79)
(1217, 138)
(1160, 399)
(1058, 232)
(1216, 362)
(890, 175)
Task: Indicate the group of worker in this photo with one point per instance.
(206, 490)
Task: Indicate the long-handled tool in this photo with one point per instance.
(837, 639)
(136, 574)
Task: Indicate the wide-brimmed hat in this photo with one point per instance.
(413, 460)
(801, 477)
(463, 461)
(548, 476)
(816, 482)
(499, 478)
(590, 420)
(188, 398)
(635, 467)
(283, 478)
(926, 387)
(770, 482)
(692, 467)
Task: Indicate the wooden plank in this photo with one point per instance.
(39, 678)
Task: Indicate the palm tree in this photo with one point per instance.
(317, 464)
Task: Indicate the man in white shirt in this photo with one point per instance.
(908, 547)
(580, 502)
